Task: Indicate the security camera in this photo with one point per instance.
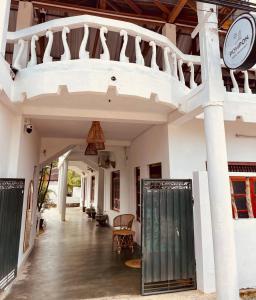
(28, 127)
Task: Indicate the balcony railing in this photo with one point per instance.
(173, 59)
(237, 81)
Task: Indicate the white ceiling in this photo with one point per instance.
(80, 129)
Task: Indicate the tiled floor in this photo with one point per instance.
(74, 260)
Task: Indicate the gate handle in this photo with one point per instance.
(177, 232)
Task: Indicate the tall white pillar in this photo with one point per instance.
(25, 17)
(4, 21)
(218, 181)
(100, 205)
(59, 188)
(83, 191)
(220, 202)
(64, 190)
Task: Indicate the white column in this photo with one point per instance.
(169, 30)
(83, 189)
(59, 188)
(100, 205)
(64, 190)
(4, 21)
(25, 19)
(220, 201)
(218, 181)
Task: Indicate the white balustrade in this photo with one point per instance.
(33, 58)
(17, 62)
(83, 54)
(173, 58)
(247, 89)
(123, 57)
(47, 53)
(139, 56)
(181, 74)
(235, 88)
(167, 67)
(192, 82)
(66, 55)
(175, 67)
(154, 65)
(105, 55)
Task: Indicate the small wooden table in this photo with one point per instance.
(123, 239)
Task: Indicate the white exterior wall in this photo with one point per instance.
(7, 120)
(150, 147)
(18, 156)
(125, 201)
(244, 234)
(187, 146)
(28, 159)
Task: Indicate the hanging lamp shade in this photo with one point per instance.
(91, 149)
(100, 146)
(95, 134)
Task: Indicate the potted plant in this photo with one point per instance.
(91, 212)
(43, 197)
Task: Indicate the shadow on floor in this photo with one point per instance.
(74, 260)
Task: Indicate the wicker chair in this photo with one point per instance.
(122, 235)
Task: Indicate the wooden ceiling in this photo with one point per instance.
(152, 14)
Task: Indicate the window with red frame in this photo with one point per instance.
(241, 208)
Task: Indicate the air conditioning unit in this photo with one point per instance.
(103, 159)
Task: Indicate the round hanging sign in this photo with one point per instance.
(239, 50)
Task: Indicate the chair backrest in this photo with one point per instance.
(123, 221)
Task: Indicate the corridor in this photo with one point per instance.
(74, 260)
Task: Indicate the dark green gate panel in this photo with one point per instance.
(168, 258)
(11, 203)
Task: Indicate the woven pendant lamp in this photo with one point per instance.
(91, 150)
(100, 146)
(96, 134)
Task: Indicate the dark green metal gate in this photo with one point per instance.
(11, 203)
(168, 259)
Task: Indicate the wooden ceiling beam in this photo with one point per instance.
(176, 10)
(162, 7)
(192, 5)
(113, 6)
(103, 4)
(134, 6)
(227, 16)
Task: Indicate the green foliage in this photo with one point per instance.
(73, 180)
(43, 192)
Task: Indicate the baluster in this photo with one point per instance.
(175, 69)
(83, 54)
(235, 88)
(123, 57)
(192, 82)
(139, 56)
(17, 62)
(66, 55)
(181, 74)
(247, 89)
(154, 65)
(33, 58)
(47, 53)
(105, 55)
(167, 67)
